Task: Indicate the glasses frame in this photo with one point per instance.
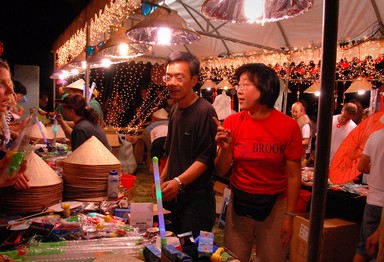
(179, 78)
(244, 86)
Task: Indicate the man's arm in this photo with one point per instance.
(364, 165)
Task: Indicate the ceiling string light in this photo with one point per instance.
(114, 13)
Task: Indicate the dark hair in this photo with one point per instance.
(19, 88)
(78, 103)
(265, 79)
(194, 63)
(351, 108)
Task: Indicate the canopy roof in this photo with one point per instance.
(359, 21)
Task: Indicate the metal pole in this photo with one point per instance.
(87, 69)
(323, 141)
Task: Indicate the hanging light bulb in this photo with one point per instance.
(123, 49)
(164, 36)
(254, 10)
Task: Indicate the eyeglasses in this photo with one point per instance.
(179, 78)
(244, 86)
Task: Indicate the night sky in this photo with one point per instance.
(28, 30)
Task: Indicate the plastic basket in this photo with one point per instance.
(127, 180)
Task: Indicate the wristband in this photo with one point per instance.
(181, 184)
(289, 214)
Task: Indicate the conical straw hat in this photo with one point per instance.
(60, 132)
(93, 153)
(40, 173)
(34, 131)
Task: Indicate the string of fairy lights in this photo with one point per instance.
(304, 65)
(114, 13)
(119, 86)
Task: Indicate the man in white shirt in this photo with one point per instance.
(342, 125)
(299, 114)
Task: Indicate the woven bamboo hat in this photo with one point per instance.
(40, 173)
(34, 131)
(92, 153)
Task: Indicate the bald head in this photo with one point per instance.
(297, 110)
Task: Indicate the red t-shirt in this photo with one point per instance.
(261, 148)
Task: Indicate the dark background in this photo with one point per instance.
(28, 30)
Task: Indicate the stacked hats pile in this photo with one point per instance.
(37, 133)
(86, 170)
(46, 188)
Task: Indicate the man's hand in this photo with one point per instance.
(372, 243)
(170, 189)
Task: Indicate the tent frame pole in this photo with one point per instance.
(323, 140)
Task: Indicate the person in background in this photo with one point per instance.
(264, 148)
(158, 133)
(43, 103)
(86, 121)
(222, 105)
(359, 113)
(76, 87)
(342, 125)
(372, 163)
(20, 93)
(16, 110)
(20, 181)
(187, 178)
(305, 124)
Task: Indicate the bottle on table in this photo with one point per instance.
(113, 184)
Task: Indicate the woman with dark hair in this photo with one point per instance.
(264, 147)
(86, 121)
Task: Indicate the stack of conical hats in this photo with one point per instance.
(46, 188)
(86, 170)
(59, 134)
(36, 134)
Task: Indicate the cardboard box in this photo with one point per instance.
(339, 241)
(219, 187)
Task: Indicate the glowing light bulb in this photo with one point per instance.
(123, 49)
(254, 9)
(361, 92)
(164, 36)
(317, 93)
(106, 62)
(75, 71)
(84, 64)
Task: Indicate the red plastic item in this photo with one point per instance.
(303, 201)
(127, 180)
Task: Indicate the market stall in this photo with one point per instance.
(293, 47)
